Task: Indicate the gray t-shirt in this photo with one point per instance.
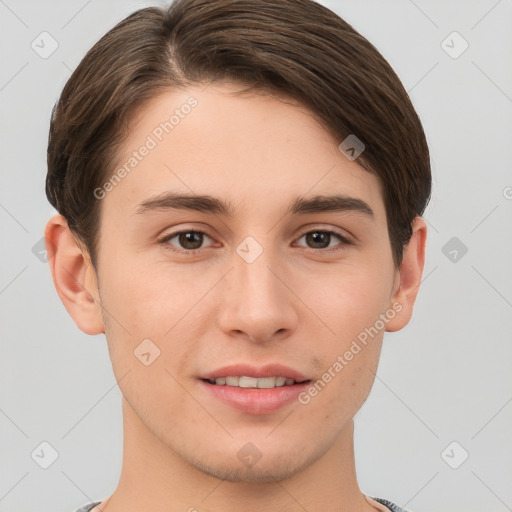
(386, 503)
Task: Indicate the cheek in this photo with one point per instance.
(348, 301)
(150, 299)
(152, 317)
(349, 335)
(344, 382)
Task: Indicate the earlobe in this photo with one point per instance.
(408, 280)
(73, 276)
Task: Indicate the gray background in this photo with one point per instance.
(445, 378)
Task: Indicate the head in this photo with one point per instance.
(254, 104)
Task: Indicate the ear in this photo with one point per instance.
(408, 278)
(73, 276)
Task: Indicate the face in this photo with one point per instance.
(254, 277)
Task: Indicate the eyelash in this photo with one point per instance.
(345, 241)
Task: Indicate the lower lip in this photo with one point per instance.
(256, 401)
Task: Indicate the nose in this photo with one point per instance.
(257, 301)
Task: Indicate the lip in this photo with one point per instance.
(251, 400)
(255, 401)
(243, 369)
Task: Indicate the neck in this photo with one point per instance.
(153, 477)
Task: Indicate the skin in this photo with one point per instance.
(296, 304)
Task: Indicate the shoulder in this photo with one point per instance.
(88, 507)
(389, 504)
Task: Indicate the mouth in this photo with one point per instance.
(254, 382)
(254, 390)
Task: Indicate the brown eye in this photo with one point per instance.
(318, 239)
(321, 239)
(190, 239)
(187, 241)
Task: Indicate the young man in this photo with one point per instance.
(240, 188)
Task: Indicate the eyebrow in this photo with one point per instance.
(209, 204)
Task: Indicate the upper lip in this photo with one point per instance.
(246, 370)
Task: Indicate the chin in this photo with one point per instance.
(261, 472)
(269, 465)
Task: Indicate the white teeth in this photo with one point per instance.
(248, 382)
(254, 382)
(267, 382)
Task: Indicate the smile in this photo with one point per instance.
(253, 382)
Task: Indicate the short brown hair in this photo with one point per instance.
(297, 48)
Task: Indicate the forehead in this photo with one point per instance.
(253, 150)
